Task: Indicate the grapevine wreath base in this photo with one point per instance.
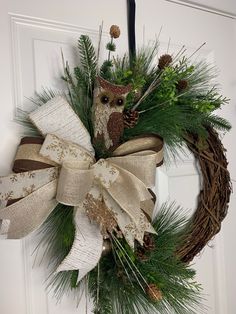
(84, 175)
(214, 195)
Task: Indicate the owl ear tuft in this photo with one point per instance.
(116, 89)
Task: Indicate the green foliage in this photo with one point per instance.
(45, 95)
(88, 61)
(101, 150)
(175, 279)
(138, 72)
(167, 88)
(205, 101)
(80, 100)
(124, 294)
(111, 46)
(81, 82)
(167, 121)
(167, 111)
(174, 122)
(58, 232)
(105, 70)
(22, 118)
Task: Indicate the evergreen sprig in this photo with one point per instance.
(22, 118)
(81, 82)
(105, 70)
(88, 61)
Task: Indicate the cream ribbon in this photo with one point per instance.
(87, 247)
(122, 183)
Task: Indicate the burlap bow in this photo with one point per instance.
(120, 184)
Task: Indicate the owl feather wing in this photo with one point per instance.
(115, 127)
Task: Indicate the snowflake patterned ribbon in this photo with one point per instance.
(119, 182)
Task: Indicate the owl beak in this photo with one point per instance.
(112, 103)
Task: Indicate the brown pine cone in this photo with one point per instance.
(154, 292)
(115, 31)
(164, 61)
(148, 242)
(130, 118)
(141, 254)
(182, 85)
(148, 246)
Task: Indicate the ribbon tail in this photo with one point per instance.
(130, 230)
(129, 191)
(86, 250)
(26, 215)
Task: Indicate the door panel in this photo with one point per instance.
(33, 35)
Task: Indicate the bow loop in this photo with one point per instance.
(141, 164)
(75, 180)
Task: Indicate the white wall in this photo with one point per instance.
(227, 6)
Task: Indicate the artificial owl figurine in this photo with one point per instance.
(107, 113)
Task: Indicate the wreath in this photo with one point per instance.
(85, 171)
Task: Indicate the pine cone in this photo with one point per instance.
(115, 31)
(181, 85)
(154, 292)
(131, 118)
(141, 254)
(149, 243)
(164, 61)
(148, 246)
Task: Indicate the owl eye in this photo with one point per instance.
(104, 99)
(120, 101)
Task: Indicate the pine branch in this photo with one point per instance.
(22, 119)
(106, 70)
(81, 79)
(217, 122)
(88, 60)
(79, 98)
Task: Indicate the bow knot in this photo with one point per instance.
(105, 172)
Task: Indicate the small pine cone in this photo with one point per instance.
(164, 61)
(115, 31)
(141, 254)
(154, 292)
(148, 242)
(131, 118)
(181, 85)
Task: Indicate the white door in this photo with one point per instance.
(32, 34)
